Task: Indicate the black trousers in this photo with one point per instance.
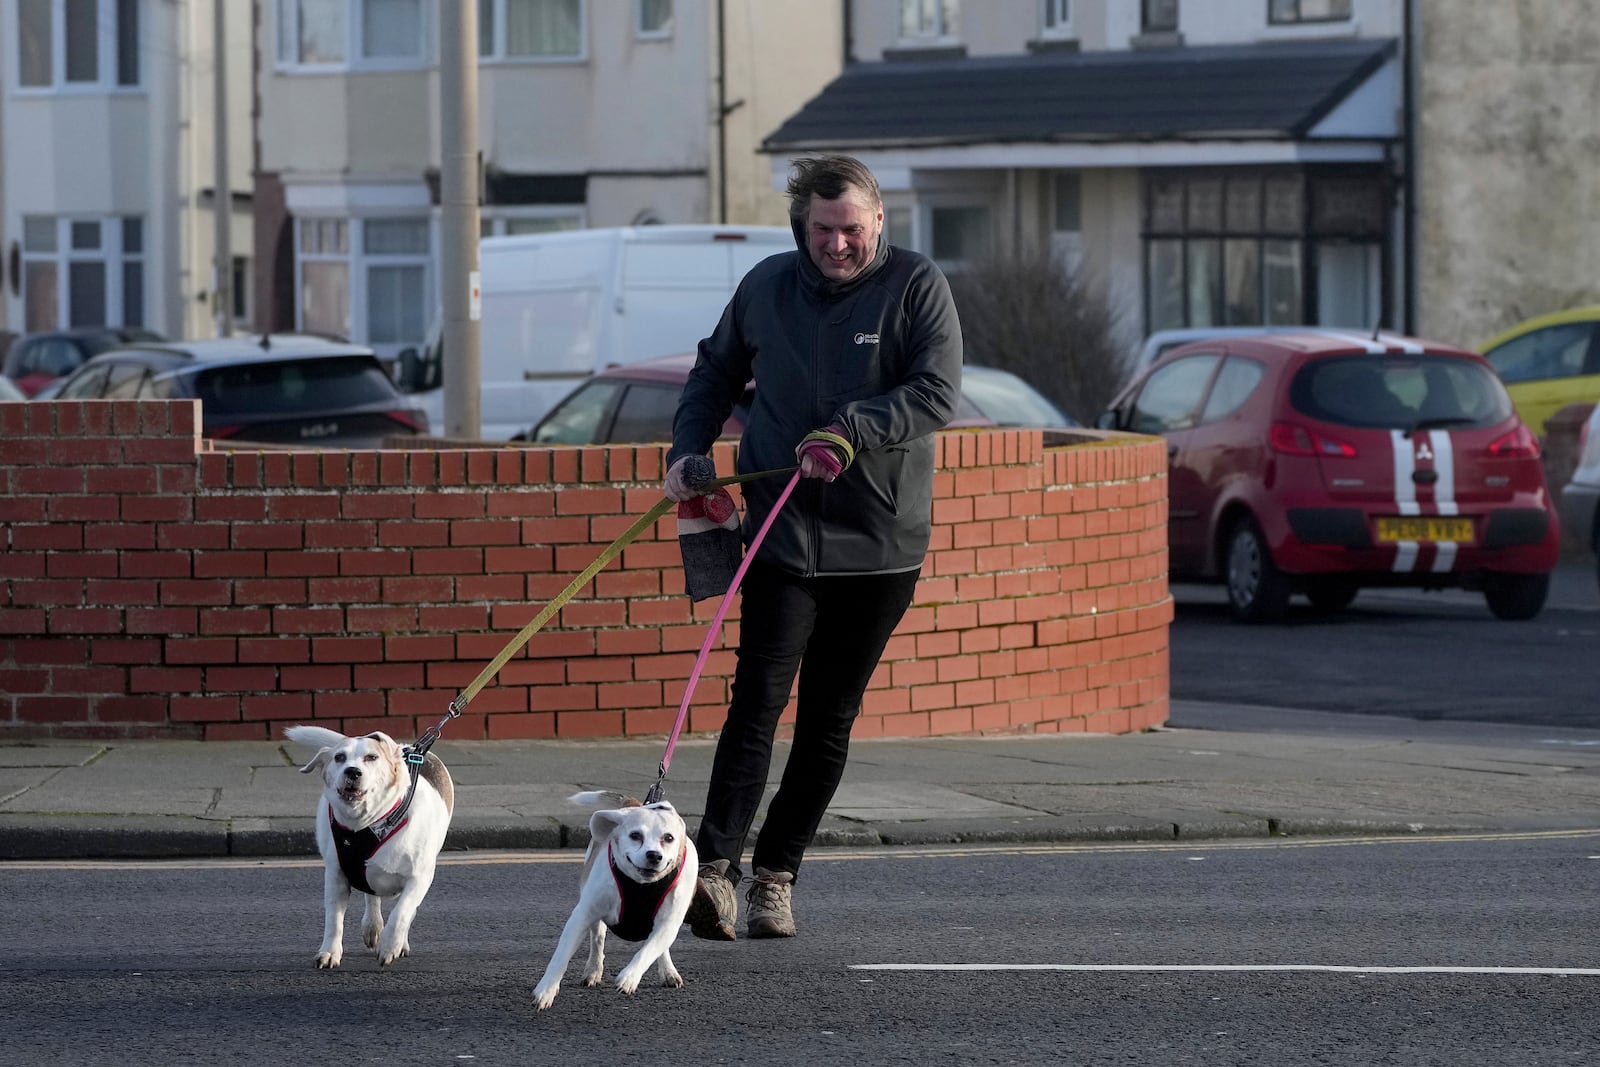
(832, 631)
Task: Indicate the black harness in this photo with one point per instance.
(639, 901)
(356, 847)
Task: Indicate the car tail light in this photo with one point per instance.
(1294, 440)
(415, 421)
(1518, 444)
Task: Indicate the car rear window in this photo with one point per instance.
(1400, 392)
(274, 387)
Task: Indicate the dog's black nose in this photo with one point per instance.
(352, 772)
(653, 858)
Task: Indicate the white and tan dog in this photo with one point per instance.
(638, 877)
(371, 839)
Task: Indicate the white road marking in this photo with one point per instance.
(1155, 968)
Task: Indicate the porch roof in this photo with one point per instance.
(1274, 91)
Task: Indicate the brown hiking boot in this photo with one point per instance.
(768, 914)
(714, 907)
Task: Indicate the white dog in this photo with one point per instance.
(638, 877)
(379, 829)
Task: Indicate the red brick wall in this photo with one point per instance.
(150, 587)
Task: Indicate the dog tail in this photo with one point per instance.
(604, 796)
(318, 736)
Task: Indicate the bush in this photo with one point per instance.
(1028, 313)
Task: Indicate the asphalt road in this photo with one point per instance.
(1260, 952)
(1408, 653)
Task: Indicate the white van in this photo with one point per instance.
(557, 307)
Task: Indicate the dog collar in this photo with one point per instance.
(638, 902)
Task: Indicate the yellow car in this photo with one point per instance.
(1549, 362)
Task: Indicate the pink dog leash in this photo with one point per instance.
(657, 790)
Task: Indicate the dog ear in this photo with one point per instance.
(602, 824)
(318, 760)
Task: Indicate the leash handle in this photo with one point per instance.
(714, 630)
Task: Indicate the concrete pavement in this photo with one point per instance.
(1213, 772)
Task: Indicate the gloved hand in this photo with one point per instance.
(708, 539)
(825, 453)
(688, 477)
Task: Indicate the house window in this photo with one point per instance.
(930, 20)
(1289, 12)
(959, 236)
(366, 279)
(1158, 16)
(531, 29)
(395, 260)
(82, 272)
(1236, 248)
(357, 34)
(240, 292)
(653, 18)
(1057, 18)
(1066, 226)
(77, 44)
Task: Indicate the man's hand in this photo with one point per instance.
(688, 477)
(825, 453)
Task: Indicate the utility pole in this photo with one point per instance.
(221, 192)
(458, 230)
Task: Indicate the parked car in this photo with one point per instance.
(1163, 341)
(277, 389)
(36, 359)
(1548, 362)
(635, 403)
(1321, 463)
(1580, 516)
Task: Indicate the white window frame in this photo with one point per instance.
(660, 32)
(357, 262)
(286, 38)
(109, 254)
(1298, 17)
(1055, 19)
(107, 38)
(941, 17)
(497, 51)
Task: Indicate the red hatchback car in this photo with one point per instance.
(1322, 463)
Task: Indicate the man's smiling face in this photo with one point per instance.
(842, 234)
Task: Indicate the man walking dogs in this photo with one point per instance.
(855, 349)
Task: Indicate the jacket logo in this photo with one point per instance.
(1424, 453)
(866, 338)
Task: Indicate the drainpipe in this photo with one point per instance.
(1408, 76)
(722, 112)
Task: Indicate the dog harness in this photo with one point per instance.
(356, 847)
(638, 902)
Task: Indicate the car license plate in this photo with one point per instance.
(1424, 528)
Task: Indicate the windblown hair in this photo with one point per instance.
(829, 177)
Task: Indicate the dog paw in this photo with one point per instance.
(628, 981)
(672, 980)
(389, 955)
(593, 978)
(544, 996)
(370, 935)
(327, 961)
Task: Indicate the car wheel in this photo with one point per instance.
(1516, 596)
(1257, 590)
(1331, 594)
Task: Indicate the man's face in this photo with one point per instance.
(842, 234)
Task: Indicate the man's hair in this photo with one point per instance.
(828, 177)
